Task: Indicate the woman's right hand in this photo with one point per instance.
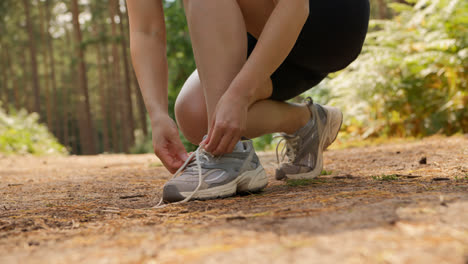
(167, 144)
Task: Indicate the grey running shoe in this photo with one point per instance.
(208, 177)
(304, 149)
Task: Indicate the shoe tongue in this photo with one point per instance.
(239, 147)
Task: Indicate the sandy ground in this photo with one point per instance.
(377, 205)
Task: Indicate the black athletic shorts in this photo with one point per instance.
(330, 40)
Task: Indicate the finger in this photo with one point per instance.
(206, 141)
(223, 144)
(233, 143)
(177, 163)
(218, 131)
(180, 150)
(170, 162)
(176, 149)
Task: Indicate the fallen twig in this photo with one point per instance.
(132, 196)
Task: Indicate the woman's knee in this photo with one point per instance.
(191, 118)
(190, 110)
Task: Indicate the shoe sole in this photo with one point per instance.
(332, 127)
(248, 182)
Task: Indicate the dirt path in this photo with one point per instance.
(378, 205)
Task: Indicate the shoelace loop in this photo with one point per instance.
(291, 143)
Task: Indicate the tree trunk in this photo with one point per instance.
(86, 126)
(382, 9)
(141, 106)
(46, 68)
(102, 95)
(121, 105)
(4, 89)
(128, 86)
(24, 83)
(67, 92)
(111, 101)
(53, 80)
(72, 108)
(14, 83)
(74, 134)
(11, 73)
(32, 53)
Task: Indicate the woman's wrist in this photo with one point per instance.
(157, 108)
(239, 94)
(158, 118)
(244, 88)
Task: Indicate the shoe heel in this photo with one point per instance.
(335, 120)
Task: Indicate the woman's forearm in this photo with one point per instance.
(150, 63)
(274, 44)
(148, 50)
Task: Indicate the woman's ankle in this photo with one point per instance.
(300, 118)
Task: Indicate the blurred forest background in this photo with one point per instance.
(67, 84)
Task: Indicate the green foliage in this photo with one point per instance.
(410, 79)
(392, 177)
(457, 178)
(142, 144)
(21, 133)
(263, 142)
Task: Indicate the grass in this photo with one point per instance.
(391, 177)
(461, 178)
(304, 182)
(325, 172)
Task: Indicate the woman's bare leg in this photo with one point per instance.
(218, 29)
(219, 41)
(264, 116)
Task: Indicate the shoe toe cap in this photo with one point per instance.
(171, 194)
(280, 174)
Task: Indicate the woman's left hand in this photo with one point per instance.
(228, 124)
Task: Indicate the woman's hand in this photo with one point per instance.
(167, 144)
(228, 124)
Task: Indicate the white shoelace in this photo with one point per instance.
(199, 153)
(290, 145)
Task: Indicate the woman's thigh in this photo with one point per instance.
(256, 14)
